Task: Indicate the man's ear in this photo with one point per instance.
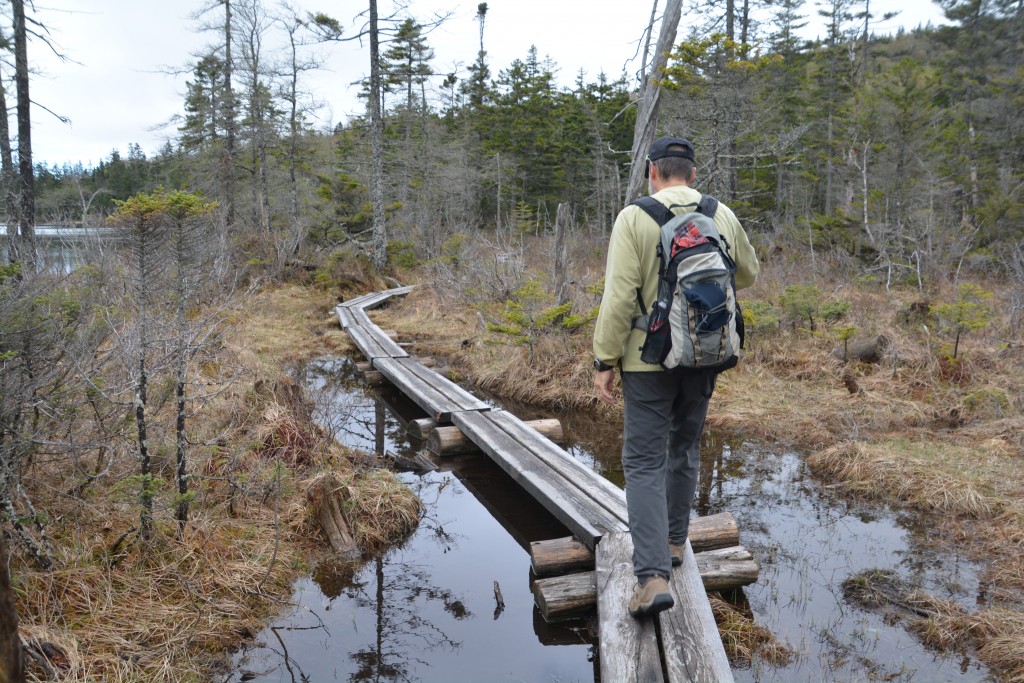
(693, 175)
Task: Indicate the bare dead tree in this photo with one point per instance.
(26, 249)
(8, 182)
(650, 98)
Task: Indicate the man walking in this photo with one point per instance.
(660, 406)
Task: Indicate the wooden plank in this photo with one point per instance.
(561, 499)
(448, 441)
(690, 641)
(358, 301)
(453, 391)
(628, 646)
(344, 318)
(392, 349)
(382, 297)
(434, 403)
(603, 492)
(366, 343)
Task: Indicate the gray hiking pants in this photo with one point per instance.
(664, 419)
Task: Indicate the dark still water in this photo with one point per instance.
(427, 609)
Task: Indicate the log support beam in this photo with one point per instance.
(561, 555)
(565, 597)
(451, 441)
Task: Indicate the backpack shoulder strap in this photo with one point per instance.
(655, 209)
(661, 215)
(707, 205)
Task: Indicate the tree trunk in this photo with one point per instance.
(145, 469)
(11, 662)
(27, 216)
(180, 441)
(328, 498)
(562, 218)
(7, 178)
(229, 120)
(650, 99)
(379, 251)
(293, 130)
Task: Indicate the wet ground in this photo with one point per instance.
(427, 610)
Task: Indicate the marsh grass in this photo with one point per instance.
(929, 475)
(744, 639)
(996, 634)
(173, 609)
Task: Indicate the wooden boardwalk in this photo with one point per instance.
(681, 644)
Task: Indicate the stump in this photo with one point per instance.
(328, 497)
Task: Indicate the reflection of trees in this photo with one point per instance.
(401, 628)
(712, 450)
(341, 407)
(428, 489)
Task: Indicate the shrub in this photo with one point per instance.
(968, 312)
(802, 302)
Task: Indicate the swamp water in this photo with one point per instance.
(426, 610)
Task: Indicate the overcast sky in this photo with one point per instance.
(119, 85)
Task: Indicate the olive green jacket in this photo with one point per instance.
(633, 264)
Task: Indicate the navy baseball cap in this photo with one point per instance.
(660, 149)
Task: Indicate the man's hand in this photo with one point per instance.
(603, 383)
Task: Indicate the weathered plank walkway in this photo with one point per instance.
(682, 644)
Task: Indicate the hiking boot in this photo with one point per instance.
(676, 551)
(650, 598)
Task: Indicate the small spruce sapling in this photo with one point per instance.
(802, 302)
(526, 314)
(970, 311)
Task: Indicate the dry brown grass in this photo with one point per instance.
(284, 325)
(930, 475)
(995, 634)
(164, 611)
(744, 639)
(172, 609)
(559, 376)
(381, 509)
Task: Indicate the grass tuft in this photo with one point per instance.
(744, 639)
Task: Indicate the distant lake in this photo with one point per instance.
(63, 248)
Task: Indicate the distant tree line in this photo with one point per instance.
(893, 149)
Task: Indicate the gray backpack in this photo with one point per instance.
(696, 322)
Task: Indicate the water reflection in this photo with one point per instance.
(426, 610)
